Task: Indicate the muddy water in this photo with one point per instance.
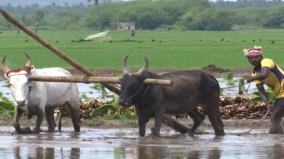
(124, 143)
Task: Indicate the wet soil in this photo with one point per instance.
(123, 142)
(113, 139)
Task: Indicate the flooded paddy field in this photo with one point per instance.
(124, 143)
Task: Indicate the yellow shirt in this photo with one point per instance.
(275, 78)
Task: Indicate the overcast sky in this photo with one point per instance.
(47, 2)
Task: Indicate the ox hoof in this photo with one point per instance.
(51, 130)
(153, 136)
(154, 133)
(26, 130)
(275, 130)
(152, 130)
(35, 131)
(220, 134)
(190, 132)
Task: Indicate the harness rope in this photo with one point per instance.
(238, 86)
(137, 92)
(253, 126)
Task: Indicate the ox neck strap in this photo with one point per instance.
(29, 89)
(141, 87)
(137, 92)
(146, 90)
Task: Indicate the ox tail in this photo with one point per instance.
(214, 84)
(168, 120)
(60, 118)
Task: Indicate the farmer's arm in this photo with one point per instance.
(261, 76)
(262, 93)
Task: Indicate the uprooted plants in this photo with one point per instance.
(239, 107)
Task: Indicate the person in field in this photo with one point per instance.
(266, 71)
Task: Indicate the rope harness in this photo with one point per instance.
(246, 89)
(140, 88)
(253, 125)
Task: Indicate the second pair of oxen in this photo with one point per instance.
(189, 89)
(40, 98)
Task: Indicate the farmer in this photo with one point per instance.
(266, 71)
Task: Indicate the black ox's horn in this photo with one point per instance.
(125, 66)
(146, 64)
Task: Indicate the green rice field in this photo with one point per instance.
(164, 49)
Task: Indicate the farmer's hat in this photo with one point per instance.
(252, 52)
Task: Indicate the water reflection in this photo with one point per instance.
(140, 152)
(277, 151)
(144, 152)
(214, 154)
(112, 144)
(46, 153)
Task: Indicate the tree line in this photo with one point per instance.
(147, 14)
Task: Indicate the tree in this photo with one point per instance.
(96, 3)
(38, 17)
(209, 19)
(275, 18)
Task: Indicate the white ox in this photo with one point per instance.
(40, 98)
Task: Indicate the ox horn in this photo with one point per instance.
(146, 64)
(29, 60)
(4, 67)
(125, 66)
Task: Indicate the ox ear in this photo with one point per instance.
(125, 66)
(29, 61)
(4, 67)
(142, 69)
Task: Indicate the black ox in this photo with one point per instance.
(189, 90)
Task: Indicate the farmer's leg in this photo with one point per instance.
(277, 114)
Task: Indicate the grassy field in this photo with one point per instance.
(164, 49)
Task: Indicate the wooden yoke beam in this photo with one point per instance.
(167, 119)
(90, 79)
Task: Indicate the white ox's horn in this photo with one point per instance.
(146, 64)
(29, 61)
(125, 66)
(4, 67)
